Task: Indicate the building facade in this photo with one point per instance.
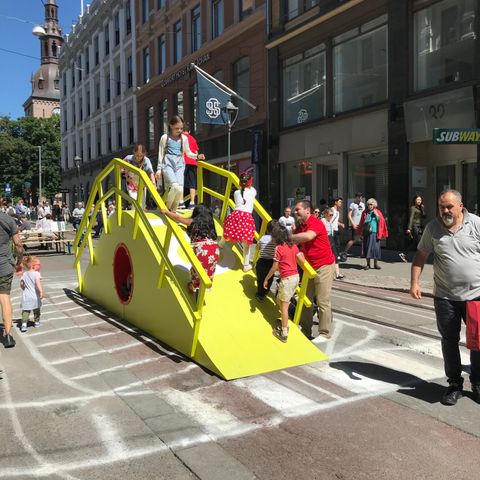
(97, 87)
(224, 38)
(45, 98)
(355, 90)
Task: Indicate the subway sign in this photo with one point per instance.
(451, 136)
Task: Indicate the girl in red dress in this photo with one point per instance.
(239, 226)
(203, 238)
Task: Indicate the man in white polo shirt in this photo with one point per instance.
(454, 239)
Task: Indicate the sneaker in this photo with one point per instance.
(452, 395)
(23, 328)
(37, 323)
(325, 335)
(403, 257)
(343, 256)
(340, 277)
(181, 206)
(191, 206)
(476, 393)
(278, 333)
(8, 341)
(259, 297)
(247, 268)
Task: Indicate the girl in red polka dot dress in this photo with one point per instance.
(203, 238)
(239, 226)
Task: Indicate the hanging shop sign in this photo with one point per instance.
(455, 136)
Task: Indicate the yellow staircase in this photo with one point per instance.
(139, 270)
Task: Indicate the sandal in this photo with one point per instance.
(366, 267)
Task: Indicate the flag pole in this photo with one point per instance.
(222, 86)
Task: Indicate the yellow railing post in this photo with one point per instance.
(118, 197)
(140, 194)
(102, 206)
(200, 184)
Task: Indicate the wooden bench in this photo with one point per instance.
(38, 242)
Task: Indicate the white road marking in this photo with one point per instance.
(311, 385)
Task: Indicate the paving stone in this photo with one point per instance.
(148, 405)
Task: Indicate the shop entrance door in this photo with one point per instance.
(326, 180)
(444, 178)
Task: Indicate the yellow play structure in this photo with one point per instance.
(139, 270)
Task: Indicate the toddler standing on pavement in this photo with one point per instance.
(266, 248)
(285, 261)
(32, 293)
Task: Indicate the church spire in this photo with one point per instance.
(51, 42)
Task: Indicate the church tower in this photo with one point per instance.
(45, 98)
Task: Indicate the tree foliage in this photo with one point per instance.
(19, 141)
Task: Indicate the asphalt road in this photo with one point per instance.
(87, 396)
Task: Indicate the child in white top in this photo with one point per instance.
(239, 226)
(32, 294)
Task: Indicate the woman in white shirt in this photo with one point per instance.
(239, 226)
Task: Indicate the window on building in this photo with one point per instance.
(96, 51)
(106, 34)
(241, 84)
(79, 68)
(119, 132)
(196, 28)
(64, 84)
(128, 18)
(304, 86)
(294, 8)
(246, 8)
(97, 95)
(145, 10)
(444, 43)
(164, 116)
(55, 84)
(88, 102)
(40, 83)
(65, 119)
(65, 156)
(193, 108)
(109, 137)
(160, 4)
(107, 88)
(87, 60)
(74, 114)
(360, 66)
(177, 42)
(130, 126)
(217, 18)
(129, 72)
(161, 54)
(118, 81)
(146, 65)
(80, 107)
(89, 147)
(73, 74)
(150, 128)
(178, 107)
(116, 24)
(98, 135)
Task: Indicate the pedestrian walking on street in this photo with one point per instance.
(327, 220)
(454, 238)
(285, 262)
(287, 220)
(8, 233)
(32, 292)
(372, 228)
(416, 216)
(355, 211)
(312, 238)
(171, 164)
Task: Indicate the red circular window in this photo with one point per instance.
(123, 273)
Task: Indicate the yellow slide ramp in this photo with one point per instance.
(235, 331)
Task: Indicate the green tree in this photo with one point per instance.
(19, 141)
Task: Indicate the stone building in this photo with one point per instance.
(45, 98)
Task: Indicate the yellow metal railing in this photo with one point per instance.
(160, 248)
(233, 181)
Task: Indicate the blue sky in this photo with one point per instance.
(16, 35)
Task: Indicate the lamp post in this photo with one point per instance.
(39, 173)
(78, 161)
(229, 116)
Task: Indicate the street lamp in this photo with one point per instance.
(78, 161)
(39, 173)
(229, 116)
(38, 31)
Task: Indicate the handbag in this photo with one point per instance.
(366, 229)
(473, 325)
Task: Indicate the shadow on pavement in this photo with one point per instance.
(409, 384)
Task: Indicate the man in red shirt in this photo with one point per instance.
(190, 176)
(311, 235)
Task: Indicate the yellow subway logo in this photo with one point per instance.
(456, 135)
